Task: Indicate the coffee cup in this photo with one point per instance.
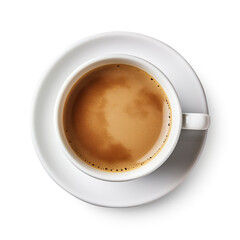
(173, 122)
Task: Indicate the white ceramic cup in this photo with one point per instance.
(192, 121)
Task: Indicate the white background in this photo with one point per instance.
(206, 205)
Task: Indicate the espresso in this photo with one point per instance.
(114, 115)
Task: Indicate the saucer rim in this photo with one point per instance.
(38, 89)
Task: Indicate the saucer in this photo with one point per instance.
(141, 190)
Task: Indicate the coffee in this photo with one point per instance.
(113, 117)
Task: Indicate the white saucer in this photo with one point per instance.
(118, 194)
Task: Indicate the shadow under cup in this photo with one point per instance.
(171, 118)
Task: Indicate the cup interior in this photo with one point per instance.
(163, 146)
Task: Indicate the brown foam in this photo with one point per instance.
(113, 116)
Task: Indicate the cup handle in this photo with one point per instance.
(195, 121)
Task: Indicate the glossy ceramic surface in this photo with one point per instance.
(138, 191)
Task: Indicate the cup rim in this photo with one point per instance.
(151, 70)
